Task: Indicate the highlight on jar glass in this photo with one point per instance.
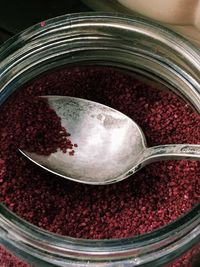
(130, 65)
(180, 15)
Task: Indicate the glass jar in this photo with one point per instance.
(133, 44)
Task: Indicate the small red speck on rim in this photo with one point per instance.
(42, 23)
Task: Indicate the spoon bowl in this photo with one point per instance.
(111, 146)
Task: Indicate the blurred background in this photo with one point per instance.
(18, 15)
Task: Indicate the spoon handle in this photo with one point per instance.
(167, 152)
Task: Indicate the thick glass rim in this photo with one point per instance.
(186, 225)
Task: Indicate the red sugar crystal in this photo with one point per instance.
(2, 170)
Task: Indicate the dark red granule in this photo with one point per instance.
(153, 197)
(2, 170)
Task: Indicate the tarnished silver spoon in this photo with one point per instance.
(111, 146)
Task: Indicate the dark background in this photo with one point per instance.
(17, 15)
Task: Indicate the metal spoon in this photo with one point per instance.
(111, 146)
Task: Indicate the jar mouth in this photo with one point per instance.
(80, 34)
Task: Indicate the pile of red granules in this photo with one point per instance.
(33, 126)
(153, 197)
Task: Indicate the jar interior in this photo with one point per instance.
(144, 70)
